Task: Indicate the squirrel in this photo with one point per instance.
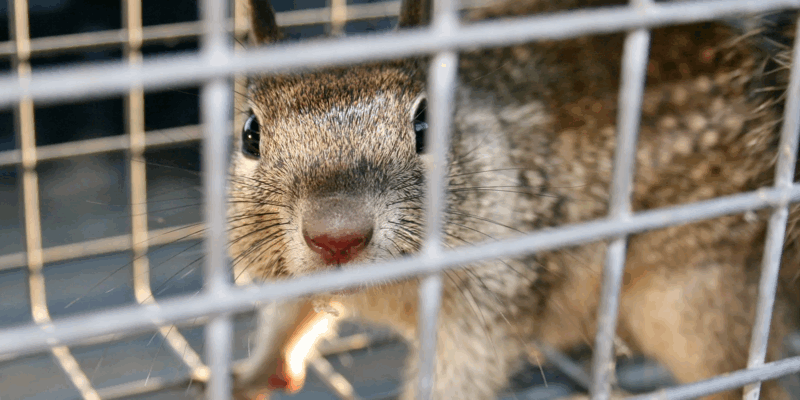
(329, 172)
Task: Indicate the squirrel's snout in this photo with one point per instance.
(338, 249)
(338, 229)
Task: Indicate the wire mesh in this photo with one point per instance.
(214, 68)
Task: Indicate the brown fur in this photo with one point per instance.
(532, 147)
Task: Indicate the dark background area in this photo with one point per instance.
(165, 109)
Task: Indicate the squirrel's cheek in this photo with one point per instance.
(246, 166)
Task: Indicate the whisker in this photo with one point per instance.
(107, 277)
(467, 215)
(492, 189)
(487, 171)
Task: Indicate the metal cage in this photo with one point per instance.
(214, 68)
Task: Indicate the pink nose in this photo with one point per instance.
(338, 249)
(338, 228)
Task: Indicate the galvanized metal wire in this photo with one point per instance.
(776, 230)
(634, 68)
(215, 66)
(217, 105)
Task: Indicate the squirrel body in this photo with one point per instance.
(532, 146)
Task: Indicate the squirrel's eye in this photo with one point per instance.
(251, 134)
(420, 125)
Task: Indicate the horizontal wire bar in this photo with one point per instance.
(156, 384)
(144, 386)
(99, 340)
(193, 29)
(107, 245)
(729, 381)
(190, 30)
(101, 39)
(129, 319)
(95, 80)
(165, 137)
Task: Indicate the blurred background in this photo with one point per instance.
(86, 198)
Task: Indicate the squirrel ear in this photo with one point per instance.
(414, 13)
(263, 28)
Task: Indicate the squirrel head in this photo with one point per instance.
(328, 168)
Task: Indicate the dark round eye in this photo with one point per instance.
(251, 135)
(420, 125)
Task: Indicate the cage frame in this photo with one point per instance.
(215, 66)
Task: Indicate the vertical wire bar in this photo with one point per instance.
(24, 121)
(216, 108)
(134, 114)
(441, 88)
(430, 293)
(25, 126)
(215, 43)
(634, 66)
(241, 27)
(219, 339)
(443, 74)
(240, 30)
(770, 267)
(338, 16)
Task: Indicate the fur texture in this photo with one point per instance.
(532, 148)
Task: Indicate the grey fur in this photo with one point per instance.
(532, 146)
